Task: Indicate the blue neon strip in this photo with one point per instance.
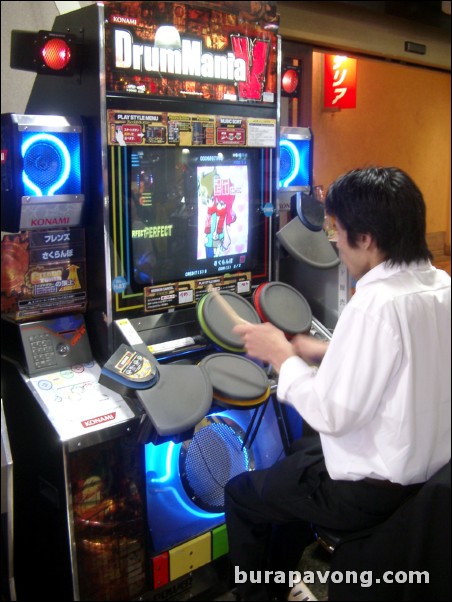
(191, 510)
(154, 460)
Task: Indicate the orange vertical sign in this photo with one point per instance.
(339, 82)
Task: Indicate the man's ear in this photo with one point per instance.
(366, 241)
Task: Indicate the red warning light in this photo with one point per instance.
(290, 81)
(56, 54)
(44, 52)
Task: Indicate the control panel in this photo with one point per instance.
(54, 344)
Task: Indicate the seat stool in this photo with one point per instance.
(416, 539)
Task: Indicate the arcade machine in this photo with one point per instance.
(308, 258)
(128, 401)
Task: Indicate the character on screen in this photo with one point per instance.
(226, 217)
(207, 200)
(223, 204)
(211, 226)
(217, 195)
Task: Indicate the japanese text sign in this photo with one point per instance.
(339, 82)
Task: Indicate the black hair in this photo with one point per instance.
(385, 203)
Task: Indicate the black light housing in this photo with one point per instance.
(44, 52)
(290, 81)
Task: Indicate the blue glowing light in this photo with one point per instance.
(193, 511)
(162, 468)
(163, 460)
(60, 177)
(296, 161)
(160, 455)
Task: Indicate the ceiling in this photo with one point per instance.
(431, 13)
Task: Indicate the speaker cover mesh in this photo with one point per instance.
(286, 162)
(212, 457)
(43, 164)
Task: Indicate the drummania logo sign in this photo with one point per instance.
(244, 66)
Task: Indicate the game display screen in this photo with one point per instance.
(194, 213)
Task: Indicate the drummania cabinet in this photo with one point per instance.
(113, 499)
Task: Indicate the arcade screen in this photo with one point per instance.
(195, 213)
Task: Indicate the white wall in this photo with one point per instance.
(26, 16)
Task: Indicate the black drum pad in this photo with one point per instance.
(179, 400)
(236, 380)
(283, 306)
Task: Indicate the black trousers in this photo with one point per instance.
(269, 514)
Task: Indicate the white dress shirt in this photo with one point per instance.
(381, 397)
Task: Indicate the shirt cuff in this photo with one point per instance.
(291, 370)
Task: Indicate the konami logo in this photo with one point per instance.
(49, 221)
(120, 20)
(98, 420)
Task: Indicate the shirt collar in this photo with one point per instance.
(386, 270)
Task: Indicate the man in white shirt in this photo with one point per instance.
(380, 398)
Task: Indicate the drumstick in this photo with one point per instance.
(226, 307)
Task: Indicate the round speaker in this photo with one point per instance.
(289, 163)
(46, 164)
(210, 458)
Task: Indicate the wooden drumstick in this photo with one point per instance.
(226, 307)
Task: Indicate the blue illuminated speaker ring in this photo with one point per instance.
(289, 165)
(210, 458)
(46, 164)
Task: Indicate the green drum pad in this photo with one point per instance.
(218, 325)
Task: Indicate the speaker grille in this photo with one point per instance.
(286, 163)
(212, 457)
(51, 163)
(43, 164)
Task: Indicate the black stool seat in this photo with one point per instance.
(416, 538)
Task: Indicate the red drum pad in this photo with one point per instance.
(218, 325)
(236, 380)
(285, 307)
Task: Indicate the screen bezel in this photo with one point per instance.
(132, 299)
(185, 261)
